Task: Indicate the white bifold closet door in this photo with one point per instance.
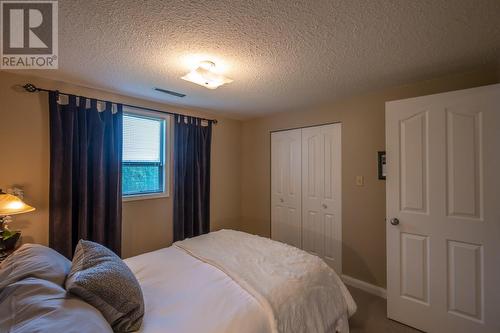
(306, 190)
(286, 193)
(321, 191)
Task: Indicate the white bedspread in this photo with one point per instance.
(297, 291)
(185, 295)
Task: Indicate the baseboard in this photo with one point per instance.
(365, 286)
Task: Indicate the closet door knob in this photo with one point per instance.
(281, 200)
(324, 206)
(394, 221)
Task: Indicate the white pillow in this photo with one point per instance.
(33, 260)
(39, 306)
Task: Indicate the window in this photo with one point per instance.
(144, 171)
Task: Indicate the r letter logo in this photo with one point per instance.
(29, 34)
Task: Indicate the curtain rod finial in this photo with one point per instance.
(30, 87)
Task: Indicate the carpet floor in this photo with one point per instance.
(371, 316)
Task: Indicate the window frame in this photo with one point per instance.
(164, 153)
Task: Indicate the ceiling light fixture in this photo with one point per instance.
(206, 76)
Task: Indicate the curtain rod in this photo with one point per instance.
(32, 88)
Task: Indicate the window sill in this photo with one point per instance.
(144, 197)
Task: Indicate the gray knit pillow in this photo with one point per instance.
(102, 279)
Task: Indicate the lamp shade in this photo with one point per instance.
(11, 205)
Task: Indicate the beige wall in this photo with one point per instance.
(147, 224)
(240, 167)
(363, 131)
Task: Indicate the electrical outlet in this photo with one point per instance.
(360, 181)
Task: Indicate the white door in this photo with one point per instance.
(443, 187)
(321, 193)
(286, 187)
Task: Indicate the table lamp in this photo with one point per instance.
(10, 205)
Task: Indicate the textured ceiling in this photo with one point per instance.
(283, 55)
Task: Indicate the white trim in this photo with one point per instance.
(136, 197)
(365, 286)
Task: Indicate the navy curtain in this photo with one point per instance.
(85, 173)
(192, 146)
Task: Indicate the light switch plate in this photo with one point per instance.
(360, 181)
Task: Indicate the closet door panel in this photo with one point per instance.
(312, 169)
(321, 202)
(332, 205)
(286, 187)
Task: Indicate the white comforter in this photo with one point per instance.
(298, 291)
(185, 295)
(239, 283)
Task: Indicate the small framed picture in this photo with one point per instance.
(382, 171)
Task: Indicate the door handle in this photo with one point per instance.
(324, 206)
(281, 200)
(395, 221)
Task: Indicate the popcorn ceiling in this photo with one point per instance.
(283, 55)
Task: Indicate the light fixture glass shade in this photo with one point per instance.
(205, 76)
(12, 205)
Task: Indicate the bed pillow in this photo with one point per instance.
(40, 306)
(103, 280)
(33, 260)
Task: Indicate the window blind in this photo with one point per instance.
(141, 139)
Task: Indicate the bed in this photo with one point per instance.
(230, 281)
(221, 282)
